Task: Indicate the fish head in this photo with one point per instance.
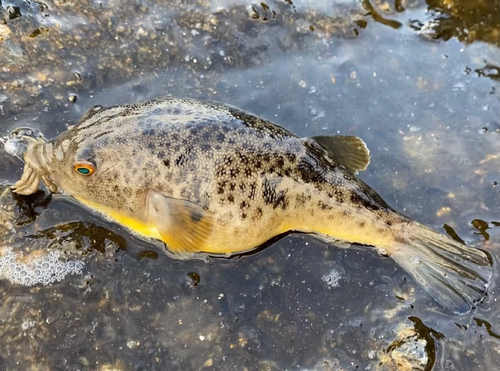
(64, 164)
(93, 162)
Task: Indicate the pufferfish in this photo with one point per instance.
(208, 177)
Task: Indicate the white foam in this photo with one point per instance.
(39, 268)
(332, 279)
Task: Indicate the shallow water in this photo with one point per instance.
(418, 82)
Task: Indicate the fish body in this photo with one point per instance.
(207, 177)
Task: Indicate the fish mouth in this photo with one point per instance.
(34, 172)
(30, 182)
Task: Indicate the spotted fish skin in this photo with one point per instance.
(257, 178)
(208, 177)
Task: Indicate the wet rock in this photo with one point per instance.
(414, 348)
(51, 42)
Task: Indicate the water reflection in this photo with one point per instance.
(377, 17)
(482, 227)
(468, 21)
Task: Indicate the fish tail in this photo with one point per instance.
(455, 275)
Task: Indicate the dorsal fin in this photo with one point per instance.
(349, 151)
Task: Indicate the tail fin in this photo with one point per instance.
(455, 275)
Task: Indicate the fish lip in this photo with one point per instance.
(35, 170)
(53, 188)
(29, 182)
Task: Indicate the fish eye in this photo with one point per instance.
(84, 168)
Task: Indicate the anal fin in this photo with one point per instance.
(183, 225)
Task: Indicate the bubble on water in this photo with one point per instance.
(332, 279)
(382, 251)
(14, 147)
(36, 268)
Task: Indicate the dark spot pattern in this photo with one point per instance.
(268, 192)
(228, 161)
(309, 173)
(252, 191)
(324, 206)
(302, 199)
(180, 160)
(257, 214)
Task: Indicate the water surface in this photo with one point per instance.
(418, 81)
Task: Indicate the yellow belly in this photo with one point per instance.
(229, 240)
(135, 224)
(221, 241)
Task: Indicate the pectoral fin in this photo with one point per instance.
(349, 151)
(183, 225)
